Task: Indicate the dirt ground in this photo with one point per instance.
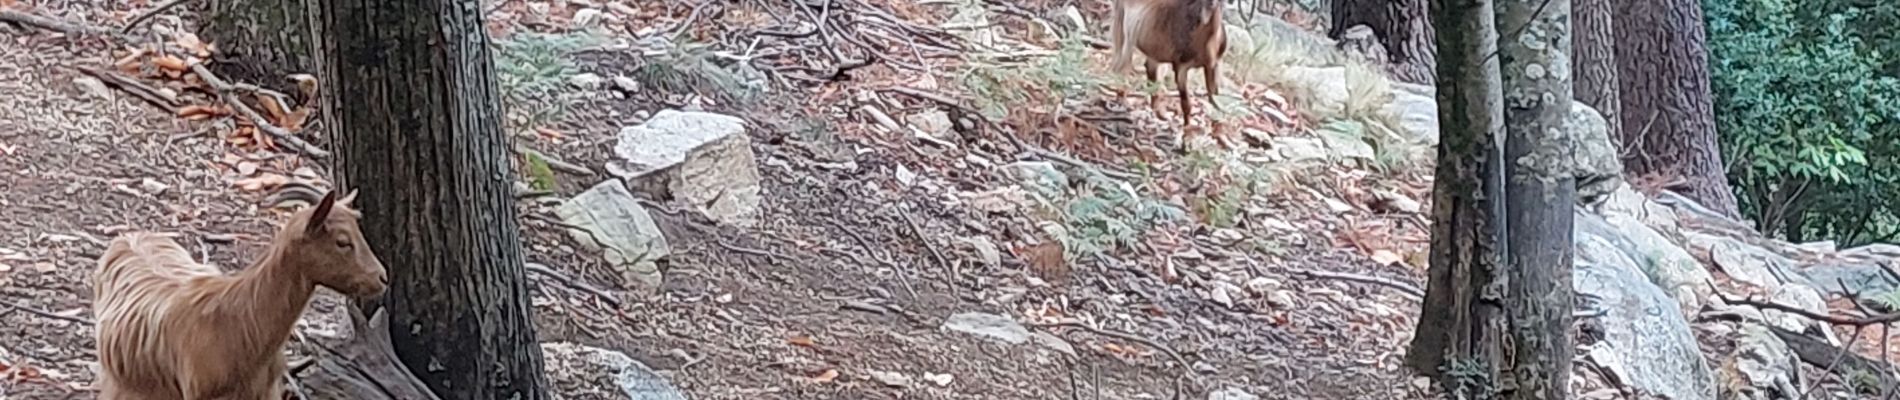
(79, 165)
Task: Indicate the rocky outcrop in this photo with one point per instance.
(703, 160)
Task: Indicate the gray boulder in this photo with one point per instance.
(1646, 341)
(613, 223)
(1598, 168)
(584, 372)
(1760, 368)
(702, 159)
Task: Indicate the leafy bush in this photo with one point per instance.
(1807, 116)
(531, 69)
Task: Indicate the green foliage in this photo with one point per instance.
(690, 68)
(1106, 215)
(541, 177)
(531, 69)
(1807, 114)
(1042, 85)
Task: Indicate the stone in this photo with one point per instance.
(1625, 200)
(892, 379)
(702, 159)
(987, 325)
(585, 18)
(1664, 262)
(92, 87)
(1798, 296)
(1346, 139)
(1296, 149)
(1416, 110)
(585, 372)
(618, 226)
(1749, 263)
(1325, 88)
(1039, 177)
(1231, 394)
(585, 81)
(1760, 367)
(1645, 343)
(1239, 39)
(1598, 168)
(933, 122)
(627, 84)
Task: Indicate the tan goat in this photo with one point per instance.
(174, 329)
(1186, 34)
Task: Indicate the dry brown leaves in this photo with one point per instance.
(170, 69)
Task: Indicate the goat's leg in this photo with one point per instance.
(1211, 73)
(1180, 85)
(1118, 43)
(1152, 69)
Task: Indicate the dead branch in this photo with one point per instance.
(226, 92)
(1403, 288)
(68, 28)
(44, 313)
(364, 366)
(1828, 318)
(555, 163)
(934, 252)
(1820, 354)
(573, 283)
(148, 14)
(132, 87)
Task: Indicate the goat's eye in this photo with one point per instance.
(344, 244)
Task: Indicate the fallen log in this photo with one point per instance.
(363, 367)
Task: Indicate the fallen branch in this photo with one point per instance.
(44, 313)
(55, 25)
(1404, 288)
(282, 136)
(1828, 318)
(573, 283)
(132, 87)
(148, 14)
(1822, 355)
(934, 252)
(555, 163)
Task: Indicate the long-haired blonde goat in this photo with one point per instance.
(174, 329)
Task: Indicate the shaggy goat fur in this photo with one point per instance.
(174, 329)
(1186, 34)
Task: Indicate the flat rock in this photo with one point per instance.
(702, 159)
(1760, 367)
(595, 373)
(620, 228)
(1646, 342)
(990, 326)
(1416, 110)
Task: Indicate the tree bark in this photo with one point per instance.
(1593, 49)
(1668, 117)
(1401, 25)
(260, 41)
(1540, 194)
(410, 88)
(1461, 319)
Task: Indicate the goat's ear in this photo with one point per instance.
(315, 224)
(348, 200)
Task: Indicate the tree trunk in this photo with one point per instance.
(1401, 25)
(1461, 320)
(260, 41)
(411, 92)
(1540, 194)
(1593, 48)
(1667, 113)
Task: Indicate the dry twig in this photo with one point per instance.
(44, 313)
(1403, 288)
(148, 14)
(573, 283)
(55, 25)
(283, 136)
(131, 86)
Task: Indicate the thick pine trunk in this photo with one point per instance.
(1540, 194)
(1459, 323)
(260, 41)
(1668, 116)
(410, 90)
(1401, 25)
(1593, 59)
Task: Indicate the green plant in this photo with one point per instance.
(1040, 87)
(690, 69)
(1106, 214)
(540, 176)
(531, 70)
(1807, 108)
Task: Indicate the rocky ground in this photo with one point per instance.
(935, 226)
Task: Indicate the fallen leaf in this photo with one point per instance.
(273, 108)
(1386, 257)
(261, 182)
(295, 121)
(171, 63)
(190, 42)
(827, 376)
(805, 341)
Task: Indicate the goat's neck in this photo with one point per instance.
(272, 294)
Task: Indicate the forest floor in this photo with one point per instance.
(841, 288)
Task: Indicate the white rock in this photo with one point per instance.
(702, 159)
(571, 365)
(988, 325)
(621, 229)
(585, 81)
(585, 18)
(892, 379)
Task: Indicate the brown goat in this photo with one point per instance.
(1185, 34)
(174, 329)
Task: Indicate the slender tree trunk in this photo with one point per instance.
(412, 95)
(1401, 25)
(1667, 112)
(1540, 193)
(260, 41)
(1461, 322)
(1593, 62)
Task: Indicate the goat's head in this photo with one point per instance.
(326, 245)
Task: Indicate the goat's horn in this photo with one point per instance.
(348, 200)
